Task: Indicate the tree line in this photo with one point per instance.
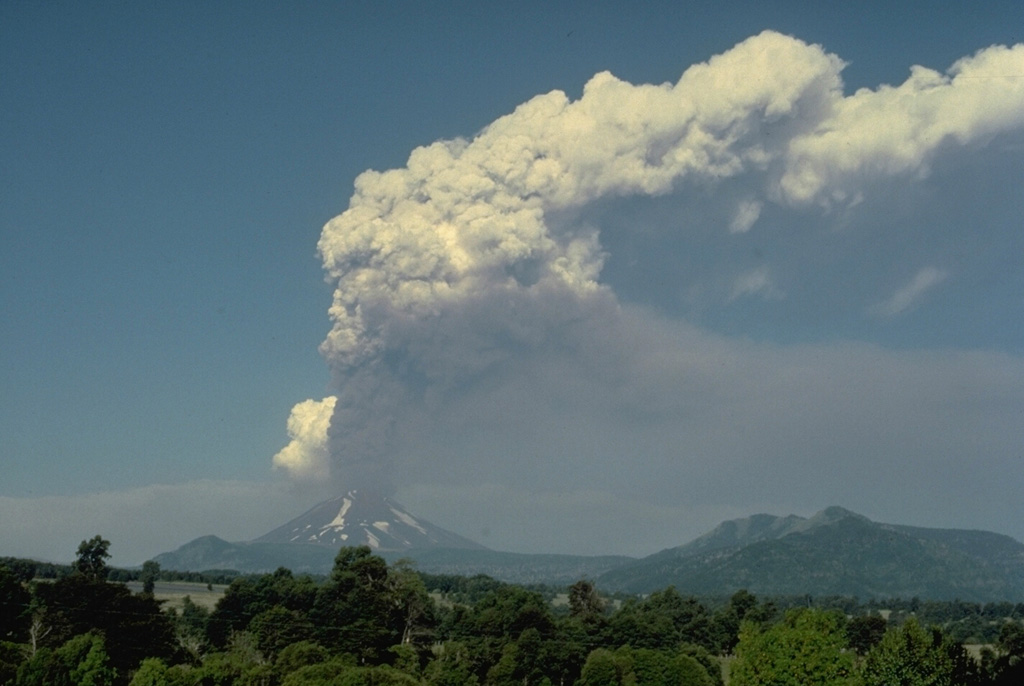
(33, 569)
(370, 623)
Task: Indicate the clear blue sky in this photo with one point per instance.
(167, 169)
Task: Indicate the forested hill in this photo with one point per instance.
(835, 552)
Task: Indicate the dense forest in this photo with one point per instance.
(373, 624)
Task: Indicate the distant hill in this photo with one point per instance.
(835, 552)
(210, 552)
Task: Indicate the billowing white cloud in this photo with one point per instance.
(470, 217)
(874, 134)
(306, 456)
(909, 295)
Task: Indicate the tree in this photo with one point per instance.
(91, 669)
(687, 670)
(190, 628)
(412, 602)
(11, 655)
(1011, 640)
(584, 602)
(520, 662)
(298, 655)
(246, 598)
(134, 625)
(506, 612)
(648, 666)
(865, 631)
(324, 673)
(725, 625)
(708, 663)
(14, 606)
(92, 558)
(630, 666)
(152, 672)
(742, 602)
(602, 669)
(38, 629)
(909, 656)
(663, 621)
(452, 666)
(148, 576)
(81, 661)
(279, 627)
(806, 649)
(574, 638)
(355, 611)
(1008, 667)
(222, 669)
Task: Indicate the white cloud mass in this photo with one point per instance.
(306, 456)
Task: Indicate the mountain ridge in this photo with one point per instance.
(833, 552)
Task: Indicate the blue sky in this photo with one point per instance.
(745, 345)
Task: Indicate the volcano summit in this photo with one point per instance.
(362, 517)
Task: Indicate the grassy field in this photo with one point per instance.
(173, 592)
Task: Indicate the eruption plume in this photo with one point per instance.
(476, 255)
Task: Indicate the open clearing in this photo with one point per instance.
(173, 592)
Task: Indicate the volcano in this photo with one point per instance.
(362, 517)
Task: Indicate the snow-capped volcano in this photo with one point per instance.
(364, 518)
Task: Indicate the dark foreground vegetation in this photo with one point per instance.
(373, 624)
